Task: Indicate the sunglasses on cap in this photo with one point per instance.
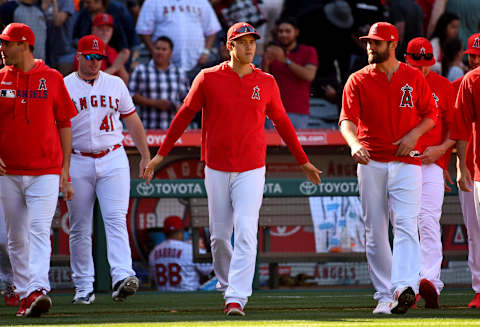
(92, 56)
(418, 56)
(245, 29)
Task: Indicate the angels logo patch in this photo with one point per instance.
(407, 98)
(476, 43)
(95, 45)
(42, 84)
(256, 93)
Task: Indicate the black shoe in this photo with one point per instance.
(403, 299)
(125, 288)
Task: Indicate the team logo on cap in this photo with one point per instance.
(95, 45)
(43, 84)
(256, 93)
(476, 43)
(374, 28)
(422, 50)
(407, 99)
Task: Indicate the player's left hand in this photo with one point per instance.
(431, 154)
(406, 144)
(447, 179)
(150, 168)
(312, 173)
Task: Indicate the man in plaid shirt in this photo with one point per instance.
(158, 87)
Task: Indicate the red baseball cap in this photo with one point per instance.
(172, 223)
(241, 29)
(103, 19)
(91, 44)
(18, 32)
(473, 44)
(420, 52)
(382, 31)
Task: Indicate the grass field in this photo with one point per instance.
(338, 307)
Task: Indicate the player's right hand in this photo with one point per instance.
(360, 154)
(150, 169)
(2, 168)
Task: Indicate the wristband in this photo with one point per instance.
(288, 61)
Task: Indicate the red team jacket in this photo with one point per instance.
(33, 105)
(444, 97)
(467, 111)
(233, 118)
(384, 111)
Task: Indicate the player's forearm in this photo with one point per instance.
(424, 126)
(66, 143)
(136, 130)
(349, 133)
(461, 152)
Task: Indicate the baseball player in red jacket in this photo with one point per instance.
(33, 102)
(436, 151)
(235, 97)
(467, 198)
(387, 106)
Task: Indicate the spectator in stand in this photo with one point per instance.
(446, 28)
(294, 67)
(192, 26)
(452, 66)
(407, 16)
(468, 12)
(133, 7)
(60, 15)
(365, 13)
(103, 26)
(159, 86)
(124, 39)
(28, 13)
(271, 10)
(171, 262)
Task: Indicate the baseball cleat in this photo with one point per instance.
(428, 292)
(37, 303)
(417, 298)
(23, 307)
(475, 302)
(382, 308)
(125, 288)
(10, 297)
(403, 298)
(84, 298)
(234, 309)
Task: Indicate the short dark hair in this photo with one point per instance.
(165, 39)
(287, 20)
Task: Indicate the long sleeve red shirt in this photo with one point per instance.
(233, 118)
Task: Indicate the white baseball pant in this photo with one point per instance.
(429, 224)
(29, 203)
(6, 274)
(109, 179)
(234, 201)
(384, 187)
(468, 201)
